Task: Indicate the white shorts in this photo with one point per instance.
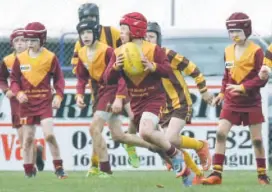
(107, 115)
(150, 116)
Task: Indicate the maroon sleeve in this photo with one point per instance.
(163, 67)
(122, 91)
(111, 76)
(58, 77)
(109, 53)
(4, 74)
(225, 79)
(122, 87)
(15, 77)
(83, 76)
(256, 82)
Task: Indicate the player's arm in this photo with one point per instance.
(15, 78)
(83, 76)
(161, 64)
(256, 82)
(181, 63)
(4, 74)
(58, 78)
(113, 72)
(122, 87)
(75, 58)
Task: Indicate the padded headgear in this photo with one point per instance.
(36, 30)
(16, 33)
(241, 21)
(88, 9)
(137, 24)
(89, 25)
(155, 27)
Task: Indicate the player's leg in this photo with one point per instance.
(94, 165)
(219, 157)
(176, 120)
(130, 140)
(255, 119)
(172, 133)
(133, 158)
(99, 143)
(257, 141)
(47, 128)
(28, 135)
(148, 129)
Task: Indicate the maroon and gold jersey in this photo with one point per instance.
(108, 35)
(146, 88)
(177, 92)
(5, 70)
(93, 70)
(268, 56)
(243, 71)
(32, 76)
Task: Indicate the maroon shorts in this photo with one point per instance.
(184, 113)
(242, 118)
(34, 120)
(151, 106)
(106, 96)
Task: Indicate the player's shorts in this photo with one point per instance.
(243, 118)
(106, 96)
(184, 113)
(35, 120)
(149, 110)
(15, 113)
(106, 116)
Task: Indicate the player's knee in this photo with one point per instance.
(145, 132)
(50, 138)
(258, 143)
(221, 136)
(28, 141)
(96, 128)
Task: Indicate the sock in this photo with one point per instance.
(218, 161)
(95, 160)
(57, 164)
(191, 164)
(190, 143)
(172, 151)
(105, 167)
(28, 168)
(261, 166)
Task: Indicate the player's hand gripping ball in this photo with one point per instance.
(132, 59)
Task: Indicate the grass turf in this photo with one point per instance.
(234, 181)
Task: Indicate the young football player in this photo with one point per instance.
(241, 94)
(30, 83)
(93, 60)
(110, 36)
(145, 91)
(18, 44)
(178, 109)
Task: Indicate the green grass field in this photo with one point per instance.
(234, 181)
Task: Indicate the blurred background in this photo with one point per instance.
(194, 28)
